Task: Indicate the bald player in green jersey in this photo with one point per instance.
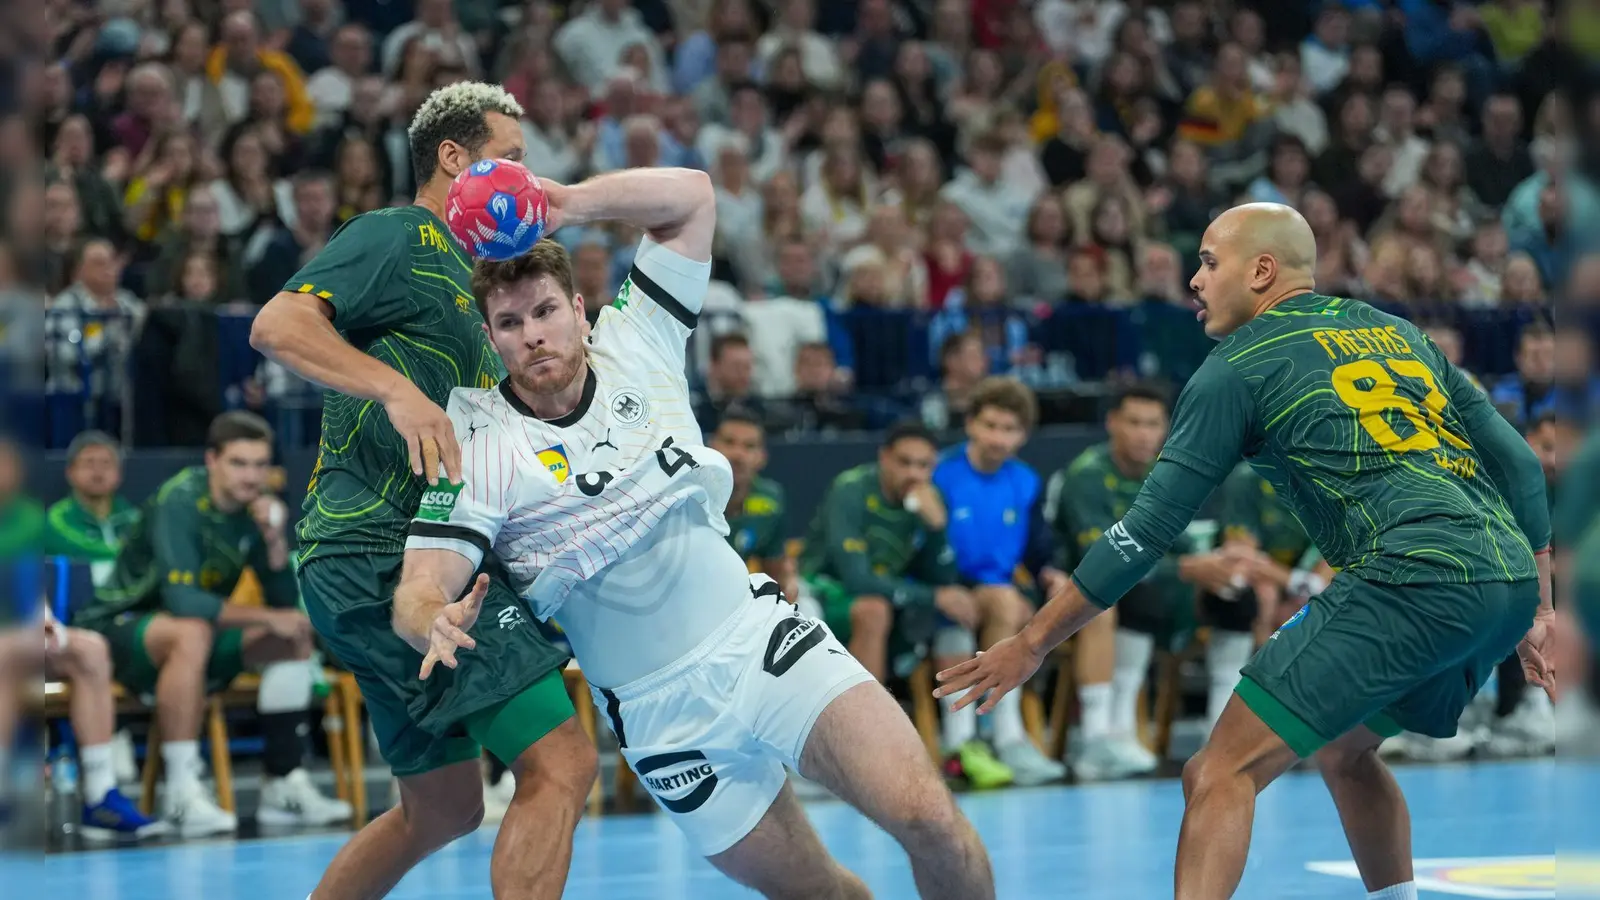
(1429, 503)
(384, 319)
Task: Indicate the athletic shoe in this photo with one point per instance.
(115, 816)
(1108, 759)
(1136, 758)
(1028, 765)
(497, 797)
(976, 763)
(1528, 731)
(194, 814)
(294, 800)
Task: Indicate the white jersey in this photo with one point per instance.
(610, 517)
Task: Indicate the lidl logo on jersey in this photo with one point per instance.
(438, 502)
(555, 460)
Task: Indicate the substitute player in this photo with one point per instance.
(585, 472)
(1429, 503)
(383, 318)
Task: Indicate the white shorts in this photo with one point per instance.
(710, 734)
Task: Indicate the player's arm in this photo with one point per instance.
(270, 560)
(455, 528)
(1508, 460)
(1040, 552)
(358, 282)
(1214, 415)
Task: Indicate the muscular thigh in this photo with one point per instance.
(782, 857)
(865, 750)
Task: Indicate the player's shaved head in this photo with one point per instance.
(1251, 257)
(1272, 229)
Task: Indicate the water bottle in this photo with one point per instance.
(66, 805)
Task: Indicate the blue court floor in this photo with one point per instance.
(1484, 830)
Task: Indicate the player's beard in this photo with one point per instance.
(538, 378)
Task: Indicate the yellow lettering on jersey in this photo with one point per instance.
(463, 304)
(430, 236)
(1337, 342)
(855, 545)
(759, 506)
(1323, 338)
(1463, 466)
(178, 576)
(1401, 342)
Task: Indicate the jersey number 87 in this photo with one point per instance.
(1372, 402)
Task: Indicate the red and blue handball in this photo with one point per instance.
(497, 209)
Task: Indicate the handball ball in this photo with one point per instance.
(497, 209)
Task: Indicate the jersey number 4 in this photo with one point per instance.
(671, 459)
(1369, 387)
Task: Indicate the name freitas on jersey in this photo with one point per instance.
(559, 500)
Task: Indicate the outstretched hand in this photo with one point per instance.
(449, 630)
(1537, 652)
(995, 672)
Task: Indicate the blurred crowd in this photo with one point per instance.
(986, 166)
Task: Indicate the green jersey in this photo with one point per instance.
(21, 527)
(401, 292)
(757, 531)
(1250, 506)
(874, 548)
(184, 557)
(73, 531)
(1400, 471)
(1090, 495)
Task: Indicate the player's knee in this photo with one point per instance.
(1013, 611)
(871, 616)
(439, 825)
(1336, 761)
(926, 820)
(90, 657)
(562, 764)
(1195, 774)
(189, 641)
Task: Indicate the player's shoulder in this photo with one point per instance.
(952, 461)
(184, 487)
(1092, 460)
(388, 226)
(467, 401)
(768, 490)
(856, 477)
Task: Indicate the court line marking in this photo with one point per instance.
(1347, 869)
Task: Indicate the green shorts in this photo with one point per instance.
(913, 627)
(506, 694)
(1392, 657)
(132, 667)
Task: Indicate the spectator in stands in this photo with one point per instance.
(437, 28)
(1340, 163)
(175, 631)
(309, 42)
(199, 232)
(980, 307)
(1037, 273)
(890, 244)
(1083, 500)
(62, 231)
(1577, 384)
(46, 646)
(1456, 209)
(358, 179)
(90, 327)
(1294, 111)
(161, 181)
(945, 252)
(73, 161)
(236, 60)
(1448, 338)
(1065, 154)
(821, 400)
(728, 381)
(1486, 266)
(590, 43)
(591, 273)
(1530, 392)
(876, 559)
(1325, 53)
(1555, 242)
(287, 248)
(963, 363)
(1499, 160)
(151, 108)
(556, 149)
(757, 526)
(1286, 177)
(996, 529)
(1397, 128)
(331, 87)
(89, 525)
(996, 209)
(1521, 285)
(793, 315)
(796, 27)
(1218, 114)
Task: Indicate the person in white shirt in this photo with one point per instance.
(998, 210)
(584, 472)
(437, 26)
(591, 44)
(332, 88)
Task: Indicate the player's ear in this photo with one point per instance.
(1265, 272)
(453, 158)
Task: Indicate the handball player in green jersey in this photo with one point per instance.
(1430, 505)
(384, 319)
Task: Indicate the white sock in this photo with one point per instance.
(1094, 710)
(1226, 655)
(99, 776)
(957, 726)
(1006, 720)
(1403, 891)
(1127, 679)
(182, 761)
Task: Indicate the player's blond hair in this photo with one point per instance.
(457, 113)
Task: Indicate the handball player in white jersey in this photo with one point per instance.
(585, 473)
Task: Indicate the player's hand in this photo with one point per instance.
(924, 500)
(449, 631)
(430, 435)
(995, 672)
(1053, 581)
(270, 515)
(290, 624)
(1537, 652)
(958, 605)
